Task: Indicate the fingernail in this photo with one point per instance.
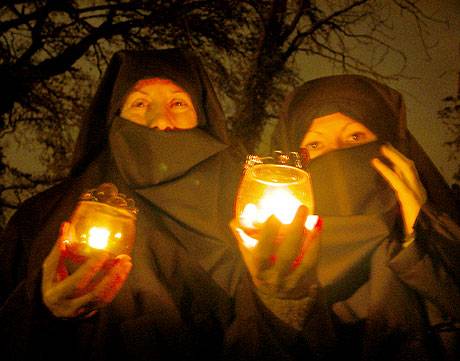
(124, 257)
(312, 222)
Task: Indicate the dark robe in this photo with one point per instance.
(385, 302)
(188, 295)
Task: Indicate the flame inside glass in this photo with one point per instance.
(272, 189)
(96, 227)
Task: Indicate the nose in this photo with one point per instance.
(339, 143)
(160, 119)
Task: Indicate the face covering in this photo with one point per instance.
(358, 209)
(180, 177)
(147, 157)
(345, 183)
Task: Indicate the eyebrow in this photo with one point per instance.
(314, 131)
(145, 93)
(347, 125)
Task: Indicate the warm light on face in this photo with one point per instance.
(161, 104)
(335, 131)
(98, 237)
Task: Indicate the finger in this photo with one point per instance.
(390, 176)
(265, 249)
(62, 271)
(310, 246)
(291, 246)
(406, 184)
(82, 304)
(60, 306)
(53, 260)
(409, 199)
(81, 278)
(243, 238)
(108, 288)
(310, 251)
(304, 271)
(238, 233)
(396, 157)
(403, 165)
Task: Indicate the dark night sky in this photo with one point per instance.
(435, 76)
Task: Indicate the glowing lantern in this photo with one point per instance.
(272, 186)
(100, 225)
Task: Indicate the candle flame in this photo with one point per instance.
(279, 202)
(98, 237)
(249, 215)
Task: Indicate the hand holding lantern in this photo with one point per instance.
(277, 236)
(87, 266)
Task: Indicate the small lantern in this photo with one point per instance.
(103, 221)
(275, 185)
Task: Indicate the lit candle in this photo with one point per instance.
(98, 237)
(101, 226)
(272, 189)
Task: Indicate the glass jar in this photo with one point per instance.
(103, 221)
(274, 185)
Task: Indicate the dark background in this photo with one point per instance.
(52, 53)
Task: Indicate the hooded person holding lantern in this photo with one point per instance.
(156, 132)
(388, 261)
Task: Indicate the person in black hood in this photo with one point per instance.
(388, 261)
(156, 131)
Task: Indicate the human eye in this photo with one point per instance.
(356, 134)
(313, 145)
(139, 103)
(179, 105)
(356, 137)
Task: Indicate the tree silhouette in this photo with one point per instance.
(450, 117)
(52, 53)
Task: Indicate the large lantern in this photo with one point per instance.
(103, 221)
(275, 185)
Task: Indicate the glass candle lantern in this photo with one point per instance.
(103, 221)
(275, 185)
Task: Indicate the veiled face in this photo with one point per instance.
(335, 131)
(160, 103)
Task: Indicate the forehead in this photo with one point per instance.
(334, 121)
(157, 85)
